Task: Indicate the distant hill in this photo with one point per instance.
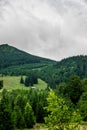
(61, 71)
(13, 59)
(16, 62)
(10, 56)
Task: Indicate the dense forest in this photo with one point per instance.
(16, 62)
(58, 108)
(61, 105)
(61, 71)
(11, 56)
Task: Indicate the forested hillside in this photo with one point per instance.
(64, 69)
(11, 56)
(16, 62)
(27, 101)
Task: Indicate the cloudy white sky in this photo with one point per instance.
(49, 28)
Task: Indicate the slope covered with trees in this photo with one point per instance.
(62, 70)
(13, 58)
(17, 62)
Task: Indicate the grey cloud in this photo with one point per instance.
(48, 28)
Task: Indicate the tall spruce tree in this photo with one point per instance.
(29, 116)
(22, 80)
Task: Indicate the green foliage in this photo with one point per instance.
(74, 89)
(84, 84)
(20, 102)
(26, 106)
(82, 105)
(20, 122)
(19, 108)
(61, 116)
(6, 120)
(29, 116)
(17, 62)
(7, 117)
(30, 80)
(64, 69)
(40, 111)
(22, 80)
(61, 89)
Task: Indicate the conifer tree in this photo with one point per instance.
(29, 116)
(22, 80)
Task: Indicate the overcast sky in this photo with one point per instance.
(49, 28)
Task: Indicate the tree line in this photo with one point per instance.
(22, 108)
(52, 73)
(58, 108)
(67, 104)
(62, 70)
(29, 80)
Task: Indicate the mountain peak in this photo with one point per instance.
(4, 45)
(11, 56)
(7, 48)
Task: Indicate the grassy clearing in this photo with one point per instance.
(13, 82)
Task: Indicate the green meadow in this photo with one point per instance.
(13, 82)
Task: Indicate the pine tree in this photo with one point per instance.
(29, 116)
(7, 120)
(22, 80)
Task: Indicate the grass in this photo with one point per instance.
(13, 82)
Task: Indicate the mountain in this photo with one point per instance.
(16, 62)
(12, 58)
(63, 70)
